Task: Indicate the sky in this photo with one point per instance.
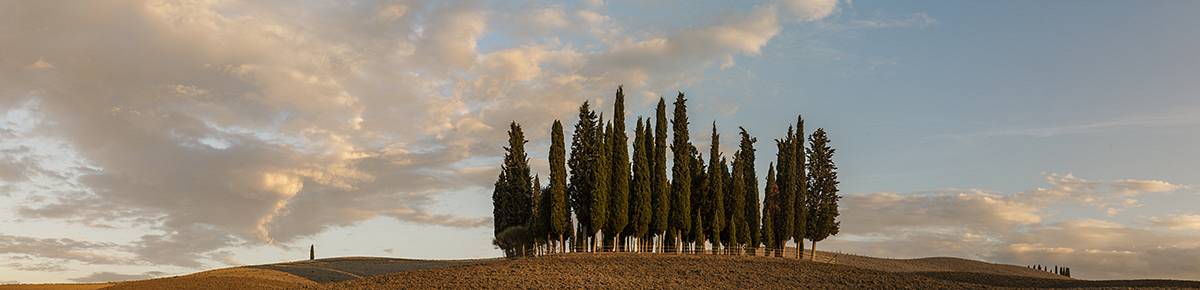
(149, 138)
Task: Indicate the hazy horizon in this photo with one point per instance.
(149, 138)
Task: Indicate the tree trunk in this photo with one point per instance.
(814, 251)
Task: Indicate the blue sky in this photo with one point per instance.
(211, 134)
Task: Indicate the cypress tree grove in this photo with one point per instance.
(681, 175)
(662, 198)
(751, 191)
(599, 202)
(560, 214)
(583, 165)
(619, 189)
(512, 198)
(715, 213)
(640, 186)
(824, 187)
(798, 180)
(770, 211)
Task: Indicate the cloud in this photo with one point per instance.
(1011, 228)
(919, 19)
(810, 10)
(86, 252)
(213, 125)
(1178, 221)
(116, 277)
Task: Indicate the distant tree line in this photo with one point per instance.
(614, 201)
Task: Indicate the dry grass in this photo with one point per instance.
(87, 286)
(626, 271)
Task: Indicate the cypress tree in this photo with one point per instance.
(661, 197)
(738, 235)
(715, 212)
(785, 221)
(512, 199)
(770, 211)
(681, 175)
(539, 219)
(699, 188)
(799, 180)
(619, 192)
(599, 203)
(640, 192)
(583, 166)
(751, 191)
(731, 227)
(824, 188)
(560, 214)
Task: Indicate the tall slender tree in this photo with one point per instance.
(583, 162)
(770, 211)
(538, 220)
(640, 188)
(739, 236)
(662, 198)
(619, 155)
(715, 213)
(730, 240)
(786, 220)
(824, 187)
(699, 188)
(798, 183)
(681, 175)
(751, 189)
(560, 213)
(512, 200)
(599, 203)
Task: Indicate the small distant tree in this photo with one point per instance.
(824, 185)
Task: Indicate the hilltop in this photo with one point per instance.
(629, 270)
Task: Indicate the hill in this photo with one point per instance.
(627, 270)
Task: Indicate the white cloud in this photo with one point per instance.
(1011, 228)
(810, 10)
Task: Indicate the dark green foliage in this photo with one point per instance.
(699, 190)
(681, 175)
(599, 202)
(770, 209)
(731, 226)
(560, 212)
(539, 219)
(738, 234)
(514, 239)
(512, 199)
(619, 189)
(786, 219)
(714, 212)
(823, 203)
(641, 193)
(661, 198)
(746, 155)
(798, 184)
(582, 188)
